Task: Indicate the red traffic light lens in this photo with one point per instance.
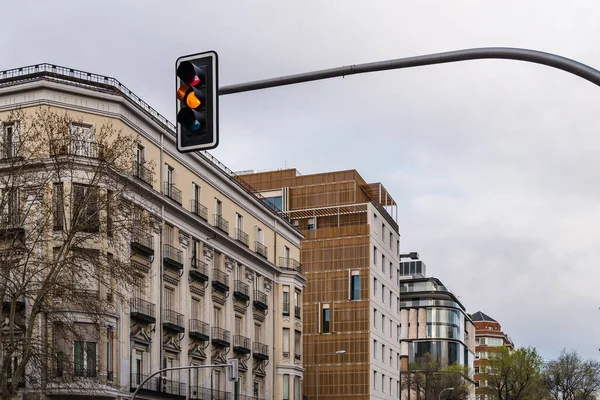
(191, 74)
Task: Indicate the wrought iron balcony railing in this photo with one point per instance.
(198, 209)
(242, 344)
(220, 336)
(172, 192)
(260, 249)
(241, 236)
(206, 393)
(143, 173)
(142, 242)
(261, 300)
(172, 256)
(219, 280)
(158, 384)
(221, 223)
(290, 264)
(199, 329)
(75, 147)
(260, 350)
(198, 269)
(298, 312)
(143, 310)
(241, 291)
(173, 320)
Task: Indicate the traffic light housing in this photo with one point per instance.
(197, 84)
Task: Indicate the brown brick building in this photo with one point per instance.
(350, 258)
(488, 337)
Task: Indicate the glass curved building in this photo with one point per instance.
(433, 322)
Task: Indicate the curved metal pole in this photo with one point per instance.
(317, 369)
(175, 369)
(506, 53)
(440, 396)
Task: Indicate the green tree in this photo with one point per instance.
(513, 374)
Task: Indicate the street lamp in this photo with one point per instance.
(339, 353)
(440, 396)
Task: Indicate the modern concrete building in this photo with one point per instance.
(217, 271)
(488, 338)
(350, 258)
(433, 322)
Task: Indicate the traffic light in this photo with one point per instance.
(197, 85)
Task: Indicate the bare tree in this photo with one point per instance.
(65, 212)
(513, 375)
(569, 377)
(428, 377)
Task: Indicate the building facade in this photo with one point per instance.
(216, 275)
(488, 338)
(350, 258)
(433, 322)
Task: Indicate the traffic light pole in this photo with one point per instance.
(188, 367)
(506, 53)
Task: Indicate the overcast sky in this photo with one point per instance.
(494, 164)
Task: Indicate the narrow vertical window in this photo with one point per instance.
(286, 300)
(58, 206)
(325, 328)
(286, 387)
(355, 285)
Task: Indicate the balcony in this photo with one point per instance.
(203, 393)
(260, 351)
(11, 225)
(290, 264)
(241, 291)
(198, 209)
(143, 310)
(241, 237)
(298, 312)
(260, 249)
(8, 302)
(220, 337)
(221, 223)
(242, 344)
(172, 192)
(261, 300)
(297, 357)
(9, 151)
(172, 257)
(219, 280)
(142, 243)
(198, 270)
(173, 321)
(158, 385)
(199, 329)
(143, 173)
(74, 147)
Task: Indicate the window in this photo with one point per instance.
(168, 298)
(374, 380)
(375, 318)
(391, 303)
(218, 207)
(354, 285)
(382, 323)
(109, 212)
(217, 382)
(375, 255)
(297, 343)
(258, 333)
(217, 317)
(391, 270)
(286, 300)
(391, 360)
(476, 370)
(375, 286)
(169, 234)
(238, 325)
(170, 177)
(382, 232)
(196, 308)
(239, 222)
(256, 389)
(260, 237)
(297, 388)
(286, 342)
(85, 210)
(10, 141)
(325, 319)
(383, 293)
(109, 353)
(195, 252)
(196, 192)
(274, 202)
(84, 359)
(312, 224)
(375, 349)
(391, 240)
(382, 383)
(383, 264)
(382, 352)
(286, 387)
(58, 206)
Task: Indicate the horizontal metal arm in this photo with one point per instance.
(506, 53)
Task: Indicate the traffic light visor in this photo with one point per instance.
(191, 74)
